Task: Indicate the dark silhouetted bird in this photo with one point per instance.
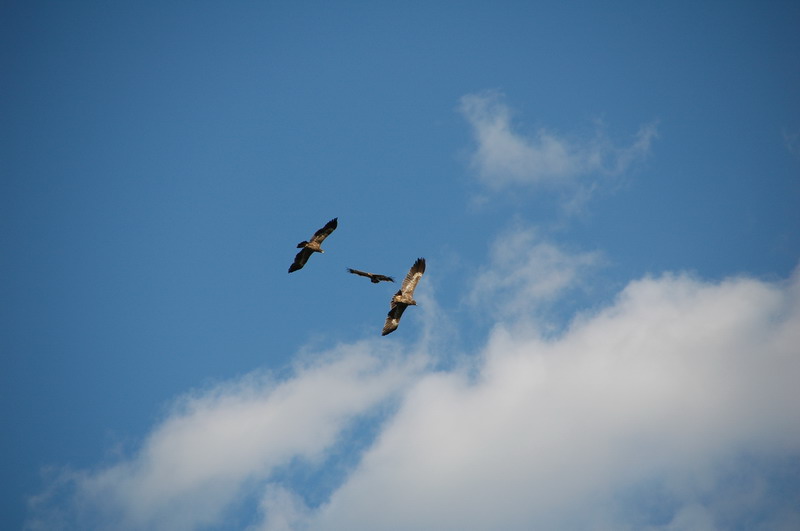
(312, 246)
(374, 277)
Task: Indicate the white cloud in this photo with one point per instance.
(526, 272)
(677, 380)
(281, 510)
(672, 408)
(504, 157)
(193, 466)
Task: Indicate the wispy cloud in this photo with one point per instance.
(671, 408)
(525, 272)
(792, 141)
(504, 157)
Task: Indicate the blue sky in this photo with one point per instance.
(607, 331)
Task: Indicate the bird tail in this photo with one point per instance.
(301, 244)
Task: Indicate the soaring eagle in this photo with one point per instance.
(374, 277)
(310, 247)
(404, 297)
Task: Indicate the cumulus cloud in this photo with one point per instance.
(195, 464)
(674, 407)
(668, 389)
(504, 157)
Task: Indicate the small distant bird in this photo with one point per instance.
(313, 246)
(404, 297)
(374, 277)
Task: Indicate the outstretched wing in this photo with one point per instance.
(412, 277)
(374, 277)
(300, 259)
(393, 317)
(323, 233)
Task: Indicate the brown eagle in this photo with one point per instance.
(313, 246)
(404, 297)
(374, 277)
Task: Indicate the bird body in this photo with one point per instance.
(404, 297)
(307, 248)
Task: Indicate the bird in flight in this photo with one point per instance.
(307, 248)
(374, 277)
(404, 297)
